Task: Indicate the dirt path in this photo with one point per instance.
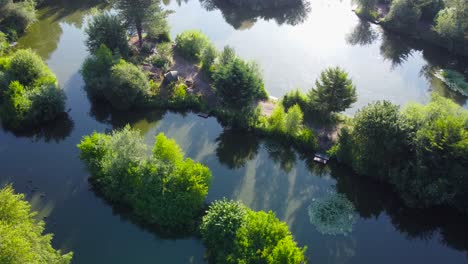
(191, 72)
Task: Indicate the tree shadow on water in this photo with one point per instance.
(371, 199)
(103, 112)
(235, 148)
(363, 34)
(245, 14)
(53, 131)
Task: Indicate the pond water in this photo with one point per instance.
(44, 163)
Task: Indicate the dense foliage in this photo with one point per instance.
(16, 16)
(441, 22)
(334, 91)
(163, 58)
(120, 83)
(163, 189)
(4, 46)
(191, 44)
(31, 94)
(107, 29)
(96, 71)
(235, 234)
(289, 127)
(403, 14)
(237, 83)
(452, 21)
(143, 15)
(422, 150)
(21, 238)
(128, 86)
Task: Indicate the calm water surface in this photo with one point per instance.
(292, 46)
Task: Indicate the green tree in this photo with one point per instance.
(208, 57)
(238, 83)
(452, 21)
(96, 71)
(32, 95)
(235, 234)
(128, 87)
(379, 140)
(334, 92)
(16, 16)
(293, 121)
(163, 189)
(27, 67)
(191, 44)
(439, 141)
(139, 15)
(107, 29)
(21, 235)
(220, 225)
(403, 15)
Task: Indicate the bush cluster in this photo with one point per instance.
(16, 16)
(109, 30)
(289, 127)
(21, 235)
(234, 233)
(120, 83)
(237, 83)
(163, 58)
(191, 44)
(421, 150)
(164, 188)
(31, 94)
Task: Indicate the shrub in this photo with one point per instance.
(107, 29)
(439, 144)
(163, 189)
(220, 225)
(16, 105)
(295, 97)
(403, 15)
(227, 56)
(32, 95)
(191, 44)
(379, 140)
(163, 58)
(293, 121)
(334, 92)
(22, 235)
(48, 100)
(208, 57)
(276, 122)
(238, 83)
(4, 46)
(96, 71)
(235, 234)
(421, 150)
(157, 26)
(452, 22)
(16, 16)
(128, 87)
(27, 67)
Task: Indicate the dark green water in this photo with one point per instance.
(264, 175)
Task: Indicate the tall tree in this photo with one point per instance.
(138, 14)
(334, 92)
